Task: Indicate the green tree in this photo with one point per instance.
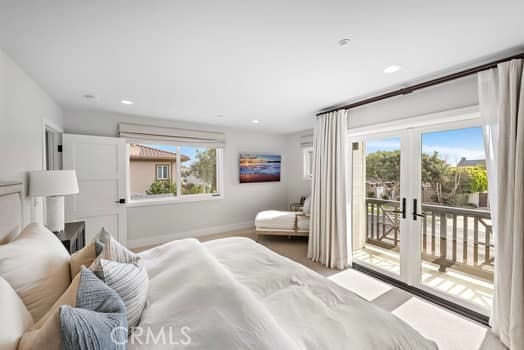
(449, 184)
(477, 179)
(204, 167)
(161, 187)
(384, 166)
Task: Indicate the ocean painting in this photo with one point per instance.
(259, 168)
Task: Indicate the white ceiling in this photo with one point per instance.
(276, 61)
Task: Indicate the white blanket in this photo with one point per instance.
(276, 219)
(235, 294)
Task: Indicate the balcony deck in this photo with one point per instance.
(456, 248)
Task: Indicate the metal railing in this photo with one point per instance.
(450, 237)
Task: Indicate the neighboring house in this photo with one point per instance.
(471, 162)
(148, 164)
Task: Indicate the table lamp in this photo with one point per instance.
(53, 184)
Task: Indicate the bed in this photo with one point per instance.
(233, 293)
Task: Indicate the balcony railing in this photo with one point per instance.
(450, 237)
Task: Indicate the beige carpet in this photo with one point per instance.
(449, 330)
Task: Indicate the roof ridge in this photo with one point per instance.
(153, 148)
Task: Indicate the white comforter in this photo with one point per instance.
(235, 294)
(276, 219)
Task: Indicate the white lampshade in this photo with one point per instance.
(52, 183)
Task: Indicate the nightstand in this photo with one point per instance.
(74, 236)
(296, 207)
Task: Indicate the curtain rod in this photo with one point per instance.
(428, 83)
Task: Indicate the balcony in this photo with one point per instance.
(456, 248)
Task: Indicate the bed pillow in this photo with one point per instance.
(123, 271)
(111, 249)
(92, 324)
(83, 257)
(306, 209)
(36, 265)
(45, 334)
(88, 254)
(131, 282)
(15, 319)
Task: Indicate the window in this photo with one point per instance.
(174, 172)
(162, 172)
(308, 162)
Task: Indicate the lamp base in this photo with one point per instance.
(55, 213)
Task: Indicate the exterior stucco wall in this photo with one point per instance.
(143, 174)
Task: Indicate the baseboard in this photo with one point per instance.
(149, 241)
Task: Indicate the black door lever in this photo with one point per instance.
(415, 214)
(402, 209)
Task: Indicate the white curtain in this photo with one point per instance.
(501, 94)
(328, 240)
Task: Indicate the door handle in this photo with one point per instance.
(402, 209)
(415, 214)
(121, 201)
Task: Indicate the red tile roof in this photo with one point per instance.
(141, 152)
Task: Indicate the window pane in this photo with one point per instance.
(149, 169)
(456, 235)
(198, 170)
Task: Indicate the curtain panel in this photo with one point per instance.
(328, 240)
(501, 95)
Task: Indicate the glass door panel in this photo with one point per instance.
(455, 233)
(376, 203)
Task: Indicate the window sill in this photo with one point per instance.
(174, 200)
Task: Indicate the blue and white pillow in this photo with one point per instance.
(99, 319)
(123, 271)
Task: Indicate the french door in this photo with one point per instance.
(420, 212)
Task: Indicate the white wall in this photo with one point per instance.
(451, 95)
(23, 108)
(298, 186)
(150, 224)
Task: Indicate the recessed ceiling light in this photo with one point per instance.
(343, 42)
(256, 121)
(392, 69)
(126, 102)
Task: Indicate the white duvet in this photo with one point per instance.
(276, 219)
(235, 294)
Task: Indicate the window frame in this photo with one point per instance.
(162, 166)
(179, 198)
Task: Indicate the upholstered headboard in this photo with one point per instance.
(11, 210)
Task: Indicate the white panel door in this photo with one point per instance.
(100, 164)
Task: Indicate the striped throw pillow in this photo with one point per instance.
(124, 272)
(130, 282)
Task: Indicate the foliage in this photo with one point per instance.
(477, 179)
(384, 167)
(204, 168)
(190, 188)
(161, 187)
(449, 184)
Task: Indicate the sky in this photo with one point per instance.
(187, 151)
(452, 145)
(267, 157)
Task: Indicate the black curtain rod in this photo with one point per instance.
(432, 82)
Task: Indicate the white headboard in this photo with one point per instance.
(11, 210)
